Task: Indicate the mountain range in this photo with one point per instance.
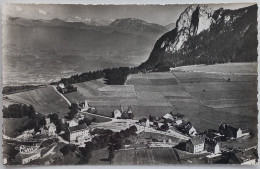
(206, 36)
(57, 46)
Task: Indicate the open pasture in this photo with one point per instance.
(154, 156)
(11, 125)
(229, 103)
(44, 100)
(75, 97)
(242, 68)
(155, 78)
(220, 86)
(209, 118)
(224, 94)
(118, 90)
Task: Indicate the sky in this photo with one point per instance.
(160, 14)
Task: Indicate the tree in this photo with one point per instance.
(111, 156)
(72, 113)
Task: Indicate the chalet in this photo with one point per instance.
(50, 129)
(5, 159)
(126, 113)
(79, 116)
(27, 154)
(212, 146)
(177, 122)
(171, 69)
(168, 116)
(83, 106)
(117, 114)
(144, 122)
(195, 145)
(243, 158)
(229, 131)
(77, 133)
(61, 88)
(73, 122)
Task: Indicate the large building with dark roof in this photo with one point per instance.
(77, 133)
(195, 145)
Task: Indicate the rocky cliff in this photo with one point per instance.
(205, 36)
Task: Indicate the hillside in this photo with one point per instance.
(66, 48)
(138, 26)
(204, 36)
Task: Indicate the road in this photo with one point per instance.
(69, 103)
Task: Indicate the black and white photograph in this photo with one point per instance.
(150, 84)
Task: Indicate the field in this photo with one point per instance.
(205, 98)
(11, 125)
(241, 68)
(154, 156)
(44, 100)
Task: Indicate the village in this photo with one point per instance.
(177, 133)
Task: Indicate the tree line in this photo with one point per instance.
(18, 111)
(15, 89)
(112, 76)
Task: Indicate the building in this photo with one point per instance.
(243, 158)
(77, 133)
(79, 116)
(144, 122)
(178, 122)
(229, 131)
(192, 131)
(27, 154)
(212, 146)
(73, 122)
(168, 116)
(49, 129)
(61, 88)
(195, 145)
(117, 114)
(83, 106)
(5, 159)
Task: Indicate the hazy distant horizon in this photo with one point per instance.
(160, 14)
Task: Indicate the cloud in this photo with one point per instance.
(42, 12)
(19, 9)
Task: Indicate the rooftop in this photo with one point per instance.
(78, 127)
(197, 140)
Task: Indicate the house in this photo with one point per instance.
(229, 131)
(27, 154)
(83, 106)
(195, 145)
(126, 113)
(243, 158)
(50, 129)
(117, 114)
(5, 159)
(168, 116)
(191, 131)
(212, 146)
(79, 116)
(144, 122)
(61, 88)
(77, 133)
(73, 122)
(178, 122)
(171, 69)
